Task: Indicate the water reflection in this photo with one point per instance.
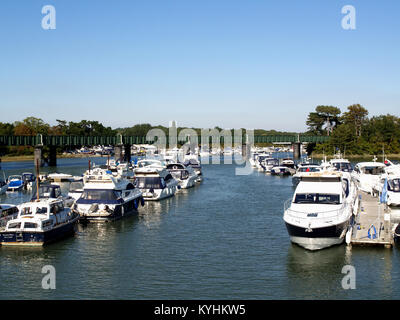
(150, 215)
(315, 274)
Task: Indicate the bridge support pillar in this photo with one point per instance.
(296, 150)
(246, 150)
(118, 156)
(127, 156)
(38, 155)
(53, 156)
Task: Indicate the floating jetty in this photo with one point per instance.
(372, 224)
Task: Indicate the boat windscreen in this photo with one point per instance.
(149, 183)
(394, 185)
(320, 198)
(101, 195)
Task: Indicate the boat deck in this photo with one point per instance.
(372, 224)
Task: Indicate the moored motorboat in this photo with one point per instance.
(156, 183)
(304, 170)
(7, 212)
(53, 191)
(367, 174)
(280, 171)
(15, 183)
(321, 210)
(28, 179)
(185, 175)
(106, 197)
(39, 222)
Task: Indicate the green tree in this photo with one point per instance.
(356, 116)
(327, 116)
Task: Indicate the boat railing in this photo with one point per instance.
(312, 214)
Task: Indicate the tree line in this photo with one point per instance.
(353, 132)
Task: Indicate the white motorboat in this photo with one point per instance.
(53, 191)
(39, 222)
(7, 213)
(280, 171)
(106, 197)
(392, 188)
(185, 175)
(156, 183)
(367, 174)
(196, 165)
(267, 163)
(28, 179)
(304, 170)
(341, 164)
(63, 177)
(320, 212)
(75, 190)
(15, 183)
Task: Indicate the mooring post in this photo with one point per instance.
(53, 156)
(118, 156)
(127, 155)
(38, 155)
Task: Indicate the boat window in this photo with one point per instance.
(30, 225)
(394, 185)
(272, 162)
(15, 225)
(149, 183)
(374, 170)
(26, 211)
(100, 195)
(343, 166)
(41, 210)
(317, 198)
(346, 187)
(309, 169)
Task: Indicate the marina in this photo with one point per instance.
(245, 249)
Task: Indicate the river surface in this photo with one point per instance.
(223, 239)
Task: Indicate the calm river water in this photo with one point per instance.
(223, 239)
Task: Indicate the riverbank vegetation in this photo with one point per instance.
(352, 132)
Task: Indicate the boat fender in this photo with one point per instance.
(142, 201)
(135, 204)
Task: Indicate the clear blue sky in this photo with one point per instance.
(253, 64)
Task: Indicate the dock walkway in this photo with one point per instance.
(372, 224)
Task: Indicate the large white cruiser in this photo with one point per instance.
(367, 174)
(106, 197)
(39, 222)
(320, 212)
(185, 175)
(156, 183)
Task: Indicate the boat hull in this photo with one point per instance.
(37, 238)
(126, 209)
(317, 238)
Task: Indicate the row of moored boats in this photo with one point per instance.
(325, 202)
(106, 193)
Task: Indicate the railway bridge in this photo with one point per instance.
(121, 143)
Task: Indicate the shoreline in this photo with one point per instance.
(61, 156)
(359, 156)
